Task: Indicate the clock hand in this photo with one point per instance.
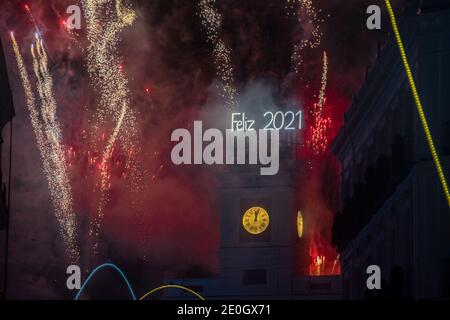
(256, 215)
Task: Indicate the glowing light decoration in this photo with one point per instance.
(415, 93)
(48, 136)
(129, 286)
(287, 120)
(212, 22)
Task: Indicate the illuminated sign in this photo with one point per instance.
(287, 120)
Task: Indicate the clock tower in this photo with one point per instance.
(258, 239)
(257, 231)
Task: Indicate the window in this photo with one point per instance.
(320, 286)
(254, 277)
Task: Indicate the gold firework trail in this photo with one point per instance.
(104, 172)
(323, 83)
(48, 137)
(211, 21)
(309, 19)
(105, 20)
(321, 123)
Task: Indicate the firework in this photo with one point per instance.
(33, 21)
(72, 34)
(323, 83)
(321, 123)
(323, 258)
(48, 137)
(31, 16)
(212, 22)
(104, 172)
(335, 270)
(310, 21)
(105, 20)
(317, 266)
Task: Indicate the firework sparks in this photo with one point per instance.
(324, 81)
(48, 137)
(32, 19)
(105, 20)
(317, 265)
(104, 172)
(212, 22)
(323, 261)
(321, 123)
(336, 267)
(31, 16)
(311, 23)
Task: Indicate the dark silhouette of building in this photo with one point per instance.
(393, 210)
(6, 114)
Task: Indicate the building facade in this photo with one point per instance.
(6, 115)
(255, 264)
(393, 211)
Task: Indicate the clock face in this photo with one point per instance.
(299, 224)
(255, 220)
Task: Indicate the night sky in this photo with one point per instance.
(168, 226)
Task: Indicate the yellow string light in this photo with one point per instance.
(419, 106)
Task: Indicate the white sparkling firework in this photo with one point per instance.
(104, 172)
(212, 22)
(105, 20)
(311, 23)
(48, 136)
